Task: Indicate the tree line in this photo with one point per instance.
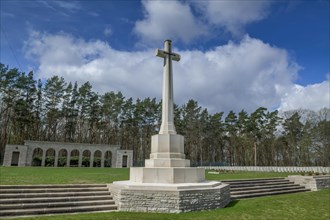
(56, 110)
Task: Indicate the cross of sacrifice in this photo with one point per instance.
(167, 126)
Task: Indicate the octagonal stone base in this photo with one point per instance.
(169, 198)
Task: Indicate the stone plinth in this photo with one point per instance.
(167, 150)
(167, 163)
(170, 198)
(167, 175)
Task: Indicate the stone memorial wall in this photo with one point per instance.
(104, 155)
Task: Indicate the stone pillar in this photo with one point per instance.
(80, 159)
(43, 159)
(29, 157)
(113, 158)
(56, 158)
(102, 159)
(91, 161)
(68, 159)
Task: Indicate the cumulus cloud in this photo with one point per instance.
(107, 69)
(235, 76)
(238, 76)
(234, 15)
(168, 20)
(313, 97)
(191, 20)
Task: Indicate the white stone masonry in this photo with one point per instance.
(167, 183)
(167, 163)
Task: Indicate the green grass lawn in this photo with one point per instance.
(300, 206)
(46, 175)
(309, 206)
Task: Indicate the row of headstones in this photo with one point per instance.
(272, 169)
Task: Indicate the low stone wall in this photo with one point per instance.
(198, 200)
(271, 169)
(313, 183)
(170, 201)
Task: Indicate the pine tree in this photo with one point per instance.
(53, 97)
(231, 137)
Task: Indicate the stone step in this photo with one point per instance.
(57, 210)
(258, 184)
(60, 194)
(241, 192)
(53, 190)
(322, 177)
(264, 186)
(249, 188)
(52, 186)
(18, 206)
(255, 181)
(251, 195)
(55, 199)
(27, 200)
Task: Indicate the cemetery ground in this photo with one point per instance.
(308, 205)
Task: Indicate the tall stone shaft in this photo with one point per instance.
(167, 126)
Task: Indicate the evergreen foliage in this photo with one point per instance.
(61, 111)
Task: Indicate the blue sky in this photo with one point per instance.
(236, 54)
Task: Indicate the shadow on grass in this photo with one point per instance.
(232, 203)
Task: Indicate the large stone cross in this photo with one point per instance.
(167, 126)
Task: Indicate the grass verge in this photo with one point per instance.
(309, 206)
(302, 206)
(50, 175)
(46, 175)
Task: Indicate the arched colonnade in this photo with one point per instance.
(60, 154)
(71, 157)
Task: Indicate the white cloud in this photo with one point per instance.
(245, 75)
(107, 31)
(70, 6)
(190, 20)
(234, 14)
(94, 14)
(168, 20)
(95, 61)
(313, 97)
(236, 76)
(7, 14)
